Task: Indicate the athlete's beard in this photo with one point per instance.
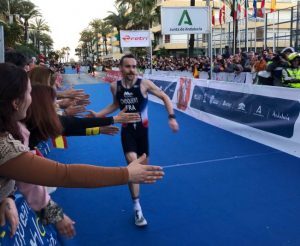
(129, 77)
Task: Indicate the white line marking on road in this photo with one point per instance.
(219, 160)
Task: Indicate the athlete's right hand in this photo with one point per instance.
(124, 117)
(146, 174)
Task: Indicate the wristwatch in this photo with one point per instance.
(172, 116)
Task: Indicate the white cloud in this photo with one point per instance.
(67, 18)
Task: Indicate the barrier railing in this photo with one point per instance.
(265, 114)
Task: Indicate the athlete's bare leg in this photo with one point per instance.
(135, 193)
(134, 188)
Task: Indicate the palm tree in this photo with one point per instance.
(38, 26)
(119, 20)
(28, 12)
(67, 49)
(146, 8)
(103, 28)
(47, 42)
(87, 37)
(96, 25)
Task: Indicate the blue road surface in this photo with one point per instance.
(219, 190)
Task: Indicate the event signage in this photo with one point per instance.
(166, 86)
(30, 230)
(134, 38)
(185, 20)
(269, 114)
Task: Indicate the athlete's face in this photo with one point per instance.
(129, 69)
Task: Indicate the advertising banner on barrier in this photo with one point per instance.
(273, 115)
(265, 114)
(112, 76)
(185, 20)
(30, 230)
(134, 38)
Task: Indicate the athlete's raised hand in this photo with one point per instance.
(139, 173)
(174, 125)
(124, 117)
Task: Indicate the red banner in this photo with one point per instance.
(112, 76)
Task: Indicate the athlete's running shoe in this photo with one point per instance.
(139, 218)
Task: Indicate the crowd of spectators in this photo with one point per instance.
(267, 66)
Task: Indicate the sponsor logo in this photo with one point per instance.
(281, 116)
(185, 19)
(259, 112)
(128, 38)
(128, 94)
(213, 100)
(227, 104)
(242, 107)
(198, 97)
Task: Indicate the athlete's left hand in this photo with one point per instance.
(109, 130)
(174, 125)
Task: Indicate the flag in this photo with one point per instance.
(273, 6)
(261, 11)
(196, 72)
(213, 21)
(222, 13)
(60, 142)
(246, 8)
(237, 9)
(254, 8)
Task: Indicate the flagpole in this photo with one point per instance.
(274, 48)
(247, 31)
(255, 35)
(265, 29)
(234, 44)
(239, 40)
(221, 40)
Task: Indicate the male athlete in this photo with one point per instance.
(132, 93)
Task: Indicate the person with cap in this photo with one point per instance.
(278, 63)
(291, 75)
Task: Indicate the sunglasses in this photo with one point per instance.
(130, 66)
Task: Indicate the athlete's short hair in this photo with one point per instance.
(125, 57)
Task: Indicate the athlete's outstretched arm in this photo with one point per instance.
(153, 89)
(110, 108)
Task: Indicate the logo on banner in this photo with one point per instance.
(127, 38)
(227, 104)
(281, 116)
(242, 107)
(185, 18)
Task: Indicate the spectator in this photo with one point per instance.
(291, 75)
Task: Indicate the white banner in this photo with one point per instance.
(133, 38)
(185, 20)
(266, 114)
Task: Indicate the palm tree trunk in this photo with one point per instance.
(26, 31)
(105, 43)
(119, 35)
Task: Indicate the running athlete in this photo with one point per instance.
(78, 70)
(132, 93)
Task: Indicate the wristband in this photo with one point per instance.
(172, 116)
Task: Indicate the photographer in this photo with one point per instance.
(278, 63)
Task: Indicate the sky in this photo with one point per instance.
(67, 18)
